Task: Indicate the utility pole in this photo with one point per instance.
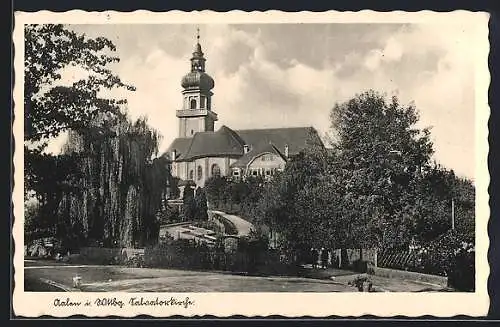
(452, 214)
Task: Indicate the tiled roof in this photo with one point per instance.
(297, 138)
(180, 145)
(226, 142)
(256, 151)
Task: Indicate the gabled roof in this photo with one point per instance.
(255, 152)
(229, 143)
(223, 143)
(180, 145)
(297, 138)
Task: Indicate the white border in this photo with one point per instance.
(264, 304)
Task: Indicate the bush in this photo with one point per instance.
(251, 257)
(362, 283)
(452, 255)
(136, 261)
(168, 215)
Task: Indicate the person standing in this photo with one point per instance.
(314, 258)
(324, 258)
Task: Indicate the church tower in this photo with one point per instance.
(196, 114)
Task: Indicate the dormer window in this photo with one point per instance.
(246, 148)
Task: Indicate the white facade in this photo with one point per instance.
(199, 170)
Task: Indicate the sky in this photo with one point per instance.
(284, 75)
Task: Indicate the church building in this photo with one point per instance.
(200, 151)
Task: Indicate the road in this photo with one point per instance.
(242, 226)
(49, 276)
(122, 279)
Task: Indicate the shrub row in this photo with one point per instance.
(451, 255)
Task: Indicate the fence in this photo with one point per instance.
(357, 259)
(404, 260)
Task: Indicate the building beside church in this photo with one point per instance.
(200, 152)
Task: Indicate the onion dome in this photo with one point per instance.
(197, 78)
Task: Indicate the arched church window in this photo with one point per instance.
(202, 102)
(191, 174)
(215, 170)
(193, 104)
(199, 172)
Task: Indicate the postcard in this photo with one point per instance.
(264, 163)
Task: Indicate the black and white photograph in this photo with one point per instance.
(194, 155)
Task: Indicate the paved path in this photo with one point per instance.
(242, 226)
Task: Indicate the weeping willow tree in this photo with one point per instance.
(120, 189)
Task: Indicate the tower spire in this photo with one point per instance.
(198, 61)
(196, 114)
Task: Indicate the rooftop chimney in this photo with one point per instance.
(286, 150)
(174, 155)
(246, 148)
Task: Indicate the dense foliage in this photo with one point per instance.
(200, 200)
(251, 256)
(49, 108)
(451, 254)
(120, 189)
(104, 187)
(376, 188)
(235, 196)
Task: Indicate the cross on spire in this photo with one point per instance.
(198, 34)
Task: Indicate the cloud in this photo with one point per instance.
(292, 75)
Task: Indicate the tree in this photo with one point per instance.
(120, 189)
(50, 109)
(49, 177)
(290, 205)
(396, 194)
(215, 189)
(188, 203)
(104, 186)
(200, 200)
(251, 194)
